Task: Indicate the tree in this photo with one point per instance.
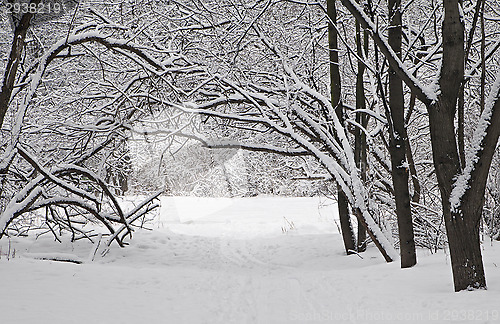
(398, 141)
(360, 145)
(264, 77)
(282, 98)
(336, 90)
(68, 122)
(462, 188)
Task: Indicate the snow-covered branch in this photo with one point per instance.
(427, 96)
(482, 148)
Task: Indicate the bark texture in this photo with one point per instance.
(360, 145)
(398, 142)
(335, 87)
(13, 63)
(462, 224)
(463, 219)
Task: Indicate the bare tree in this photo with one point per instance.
(336, 92)
(398, 142)
(462, 188)
(263, 77)
(72, 103)
(283, 98)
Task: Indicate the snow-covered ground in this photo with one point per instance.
(251, 260)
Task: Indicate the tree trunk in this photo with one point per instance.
(398, 146)
(345, 223)
(468, 186)
(335, 90)
(465, 248)
(463, 220)
(13, 63)
(9, 80)
(359, 136)
(462, 224)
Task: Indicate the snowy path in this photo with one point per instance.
(228, 261)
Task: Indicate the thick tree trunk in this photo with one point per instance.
(465, 249)
(398, 146)
(335, 87)
(462, 223)
(463, 218)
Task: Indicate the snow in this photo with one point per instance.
(245, 260)
(476, 146)
(425, 94)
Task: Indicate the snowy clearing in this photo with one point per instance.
(248, 260)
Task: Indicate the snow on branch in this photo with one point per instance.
(485, 138)
(424, 94)
(37, 194)
(142, 209)
(51, 177)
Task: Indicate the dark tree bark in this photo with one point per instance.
(335, 87)
(360, 145)
(345, 222)
(21, 28)
(462, 222)
(398, 140)
(9, 78)
(463, 218)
